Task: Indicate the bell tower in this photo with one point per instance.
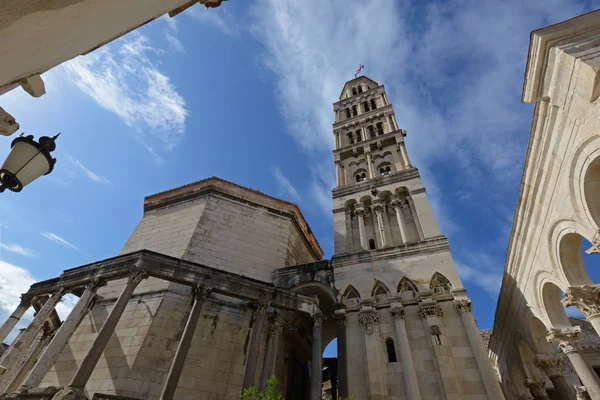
(379, 201)
(400, 299)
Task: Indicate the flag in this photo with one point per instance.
(359, 70)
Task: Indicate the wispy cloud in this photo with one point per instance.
(15, 248)
(91, 175)
(174, 42)
(59, 240)
(488, 279)
(219, 18)
(14, 281)
(122, 78)
(284, 185)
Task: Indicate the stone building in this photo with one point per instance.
(557, 208)
(220, 287)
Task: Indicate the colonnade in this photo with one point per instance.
(382, 223)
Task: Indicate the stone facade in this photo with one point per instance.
(557, 208)
(220, 287)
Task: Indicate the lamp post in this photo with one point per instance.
(27, 161)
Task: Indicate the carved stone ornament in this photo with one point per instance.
(435, 330)
(276, 328)
(585, 297)
(595, 249)
(203, 292)
(398, 312)
(565, 338)
(368, 319)
(552, 365)
(463, 305)
(582, 393)
(137, 274)
(318, 319)
(430, 310)
(340, 319)
(536, 387)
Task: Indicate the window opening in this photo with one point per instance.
(371, 244)
(391, 350)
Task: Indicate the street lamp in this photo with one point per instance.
(27, 161)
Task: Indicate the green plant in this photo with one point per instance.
(271, 392)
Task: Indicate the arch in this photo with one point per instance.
(385, 168)
(379, 126)
(583, 184)
(439, 283)
(360, 89)
(591, 189)
(360, 175)
(391, 350)
(571, 260)
(553, 308)
(371, 131)
(350, 137)
(354, 111)
(373, 104)
(353, 91)
(351, 297)
(358, 135)
(380, 289)
(348, 113)
(384, 195)
(407, 288)
(365, 106)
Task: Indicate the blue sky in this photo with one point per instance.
(245, 92)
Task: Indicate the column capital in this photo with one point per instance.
(377, 207)
(585, 297)
(398, 312)
(359, 209)
(368, 319)
(463, 305)
(566, 338)
(341, 319)
(430, 309)
(582, 393)
(551, 364)
(276, 327)
(318, 319)
(537, 387)
(137, 274)
(96, 283)
(26, 299)
(202, 292)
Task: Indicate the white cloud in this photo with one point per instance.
(14, 281)
(284, 185)
(66, 305)
(483, 271)
(15, 248)
(91, 175)
(57, 239)
(174, 42)
(219, 18)
(121, 78)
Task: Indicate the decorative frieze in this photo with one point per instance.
(430, 309)
(368, 319)
(585, 297)
(566, 338)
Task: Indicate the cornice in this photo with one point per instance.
(404, 175)
(437, 243)
(390, 135)
(356, 98)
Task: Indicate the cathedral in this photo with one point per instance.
(220, 287)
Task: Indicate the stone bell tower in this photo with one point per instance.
(408, 324)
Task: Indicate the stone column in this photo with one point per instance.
(378, 208)
(587, 299)
(342, 352)
(364, 133)
(349, 231)
(370, 164)
(90, 360)
(490, 379)
(404, 154)
(411, 383)
(14, 353)
(14, 318)
(537, 387)
(448, 382)
(567, 340)
(338, 173)
(553, 366)
(62, 336)
(368, 318)
(360, 213)
(272, 345)
(257, 334)
(397, 204)
(316, 373)
(200, 295)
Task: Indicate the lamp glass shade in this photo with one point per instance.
(26, 162)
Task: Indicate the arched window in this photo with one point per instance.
(354, 111)
(350, 139)
(347, 113)
(439, 284)
(372, 244)
(358, 136)
(373, 104)
(359, 89)
(371, 131)
(383, 171)
(351, 296)
(391, 350)
(380, 128)
(354, 91)
(365, 106)
(360, 175)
